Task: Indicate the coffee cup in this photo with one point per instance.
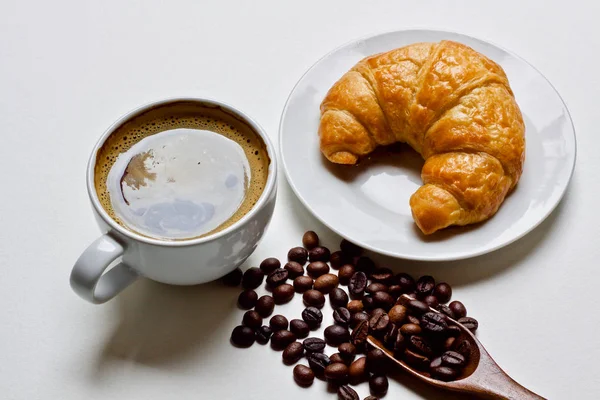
(123, 253)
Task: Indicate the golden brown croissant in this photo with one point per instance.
(448, 102)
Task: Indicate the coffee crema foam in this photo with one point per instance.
(180, 171)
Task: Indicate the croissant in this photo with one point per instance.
(448, 102)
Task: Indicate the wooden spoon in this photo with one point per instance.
(482, 377)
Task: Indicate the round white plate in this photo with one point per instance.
(368, 204)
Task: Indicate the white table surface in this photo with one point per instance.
(68, 69)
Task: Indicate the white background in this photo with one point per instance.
(68, 69)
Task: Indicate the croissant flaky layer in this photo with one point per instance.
(451, 104)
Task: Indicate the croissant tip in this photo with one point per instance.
(343, 157)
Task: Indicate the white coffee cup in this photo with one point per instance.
(186, 262)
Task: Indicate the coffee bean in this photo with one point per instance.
(318, 362)
(342, 316)
(345, 273)
(338, 297)
(314, 345)
(337, 259)
(310, 240)
(453, 330)
(263, 334)
(410, 329)
(247, 299)
(345, 392)
(283, 293)
(449, 342)
(464, 348)
(453, 359)
(469, 323)
(365, 264)
(358, 284)
(431, 301)
(281, 339)
(355, 306)
(412, 295)
(298, 254)
(242, 336)
(294, 269)
(337, 372)
(292, 353)
(417, 307)
(411, 319)
(425, 286)
(303, 375)
(420, 345)
(377, 311)
(397, 314)
(347, 352)
(313, 298)
(376, 361)
(434, 323)
(335, 358)
(299, 328)
(269, 265)
(406, 282)
(277, 277)
(265, 306)
(458, 309)
(378, 385)
(368, 303)
(444, 373)
(312, 316)
(317, 268)
(278, 323)
(336, 335)
(319, 253)
(357, 372)
(359, 317)
(233, 278)
(395, 291)
(383, 300)
(416, 360)
(376, 287)
(382, 275)
(360, 334)
(350, 248)
(378, 324)
(435, 363)
(252, 278)
(302, 284)
(252, 319)
(443, 292)
(390, 335)
(326, 283)
(444, 309)
(400, 343)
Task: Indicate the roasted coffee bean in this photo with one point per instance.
(265, 306)
(425, 286)
(435, 363)
(469, 323)
(453, 359)
(358, 317)
(310, 240)
(376, 287)
(302, 284)
(336, 335)
(444, 309)
(292, 353)
(335, 358)
(278, 323)
(433, 323)
(269, 265)
(263, 334)
(360, 334)
(443, 292)
(326, 283)
(449, 342)
(412, 295)
(313, 298)
(458, 309)
(358, 284)
(417, 307)
(252, 319)
(377, 311)
(242, 336)
(357, 372)
(464, 348)
(337, 259)
(233, 278)
(453, 330)
(395, 291)
(368, 302)
(345, 273)
(420, 345)
(410, 329)
(294, 269)
(411, 319)
(345, 392)
(383, 300)
(317, 268)
(376, 361)
(382, 275)
(400, 343)
(406, 282)
(444, 373)
(299, 328)
(314, 345)
(303, 375)
(277, 277)
(342, 316)
(365, 264)
(283, 293)
(371, 398)
(416, 360)
(355, 306)
(313, 317)
(338, 297)
(390, 335)
(318, 362)
(298, 254)
(378, 324)
(319, 253)
(252, 278)
(347, 351)
(431, 301)
(378, 385)
(398, 314)
(281, 339)
(350, 248)
(247, 299)
(336, 372)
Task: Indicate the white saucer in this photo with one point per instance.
(368, 205)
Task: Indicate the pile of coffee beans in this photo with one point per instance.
(412, 319)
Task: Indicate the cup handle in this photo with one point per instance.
(88, 279)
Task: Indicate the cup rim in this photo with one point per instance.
(270, 185)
